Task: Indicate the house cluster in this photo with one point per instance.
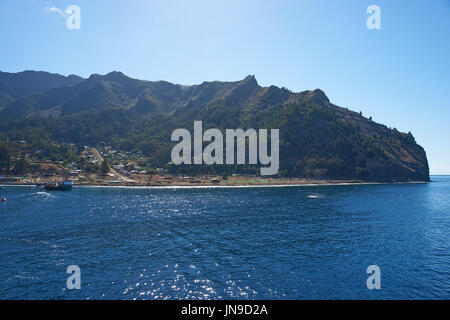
(127, 163)
(129, 169)
(109, 152)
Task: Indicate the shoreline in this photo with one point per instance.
(225, 186)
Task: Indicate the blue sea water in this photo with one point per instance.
(227, 243)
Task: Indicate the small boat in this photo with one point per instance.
(63, 185)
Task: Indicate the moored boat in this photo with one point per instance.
(64, 185)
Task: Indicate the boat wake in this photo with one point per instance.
(315, 196)
(43, 193)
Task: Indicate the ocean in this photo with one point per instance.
(311, 242)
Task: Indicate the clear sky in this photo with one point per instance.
(399, 75)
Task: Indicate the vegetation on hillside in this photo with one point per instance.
(317, 138)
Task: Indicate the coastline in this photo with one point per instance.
(280, 184)
(253, 186)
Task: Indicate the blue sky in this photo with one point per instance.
(399, 75)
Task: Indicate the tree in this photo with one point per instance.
(21, 165)
(8, 164)
(104, 168)
(5, 159)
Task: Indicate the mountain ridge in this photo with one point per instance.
(119, 90)
(17, 85)
(318, 138)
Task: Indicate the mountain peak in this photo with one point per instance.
(317, 95)
(115, 74)
(111, 76)
(250, 79)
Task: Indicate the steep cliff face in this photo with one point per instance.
(347, 144)
(317, 138)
